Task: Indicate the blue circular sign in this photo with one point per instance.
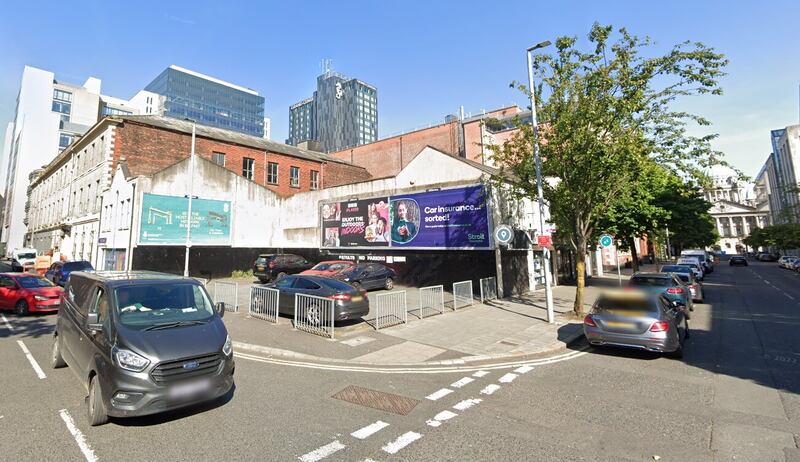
(606, 240)
(504, 234)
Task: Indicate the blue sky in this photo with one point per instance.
(426, 58)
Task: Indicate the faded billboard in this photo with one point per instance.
(443, 219)
(164, 220)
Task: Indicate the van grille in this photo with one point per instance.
(174, 371)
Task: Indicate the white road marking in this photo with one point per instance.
(34, 364)
(508, 378)
(8, 324)
(523, 369)
(467, 403)
(490, 389)
(441, 417)
(439, 394)
(480, 374)
(410, 370)
(87, 451)
(404, 440)
(369, 430)
(322, 452)
(460, 383)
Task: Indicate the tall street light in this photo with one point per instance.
(545, 251)
(189, 208)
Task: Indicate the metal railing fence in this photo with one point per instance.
(314, 314)
(488, 289)
(431, 299)
(462, 294)
(390, 309)
(227, 293)
(264, 303)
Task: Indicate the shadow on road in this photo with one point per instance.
(33, 325)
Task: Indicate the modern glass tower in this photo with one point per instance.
(342, 113)
(209, 101)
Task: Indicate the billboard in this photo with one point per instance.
(163, 221)
(443, 219)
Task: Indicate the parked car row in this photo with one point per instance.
(768, 256)
(790, 263)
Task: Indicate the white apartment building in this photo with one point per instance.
(50, 115)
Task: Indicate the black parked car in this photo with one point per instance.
(738, 260)
(350, 302)
(369, 276)
(10, 265)
(270, 267)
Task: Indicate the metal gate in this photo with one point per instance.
(264, 303)
(227, 293)
(314, 314)
(431, 301)
(488, 289)
(390, 309)
(462, 294)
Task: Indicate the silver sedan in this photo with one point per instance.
(634, 319)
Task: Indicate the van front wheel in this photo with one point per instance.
(96, 409)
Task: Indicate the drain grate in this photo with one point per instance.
(379, 400)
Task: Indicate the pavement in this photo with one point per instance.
(496, 330)
(734, 396)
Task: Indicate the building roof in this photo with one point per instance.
(213, 79)
(185, 126)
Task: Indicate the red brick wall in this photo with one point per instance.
(150, 149)
(387, 157)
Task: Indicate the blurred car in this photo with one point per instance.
(26, 293)
(667, 284)
(368, 276)
(768, 256)
(694, 266)
(350, 303)
(687, 277)
(637, 319)
(59, 271)
(786, 262)
(329, 268)
(10, 265)
(737, 260)
(268, 267)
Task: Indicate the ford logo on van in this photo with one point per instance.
(191, 365)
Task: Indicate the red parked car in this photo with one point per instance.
(329, 268)
(26, 293)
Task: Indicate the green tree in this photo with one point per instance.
(690, 224)
(604, 111)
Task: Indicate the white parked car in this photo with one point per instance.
(692, 263)
(788, 262)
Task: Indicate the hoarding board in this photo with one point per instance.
(442, 219)
(163, 221)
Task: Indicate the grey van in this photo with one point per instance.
(142, 342)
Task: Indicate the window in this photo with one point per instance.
(247, 167)
(218, 158)
(62, 103)
(272, 173)
(294, 178)
(314, 179)
(113, 111)
(64, 140)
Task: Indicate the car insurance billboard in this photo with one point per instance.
(443, 219)
(163, 221)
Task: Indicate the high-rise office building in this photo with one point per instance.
(342, 113)
(209, 101)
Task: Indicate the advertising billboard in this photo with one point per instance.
(444, 219)
(164, 219)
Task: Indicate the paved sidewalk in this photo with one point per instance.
(512, 328)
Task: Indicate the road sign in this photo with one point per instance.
(545, 241)
(504, 234)
(606, 241)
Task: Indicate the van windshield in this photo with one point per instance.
(146, 305)
(26, 256)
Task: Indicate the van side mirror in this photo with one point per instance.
(220, 307)
(93, 322)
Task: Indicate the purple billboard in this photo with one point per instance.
(444, 219)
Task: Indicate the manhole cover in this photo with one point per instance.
(388, 402)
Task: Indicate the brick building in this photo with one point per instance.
(65, 198)
(468, 138)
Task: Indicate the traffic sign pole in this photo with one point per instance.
(619, 275)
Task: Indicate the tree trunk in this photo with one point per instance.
(635, 257)
(580, 269)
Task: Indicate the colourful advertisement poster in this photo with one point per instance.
(360, 223)
(452, 218)
(163, 221)
(449, 218)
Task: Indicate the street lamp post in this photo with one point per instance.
(545, 251)
(189, 208)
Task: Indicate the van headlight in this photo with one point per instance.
(129, 360)
(227, 348)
